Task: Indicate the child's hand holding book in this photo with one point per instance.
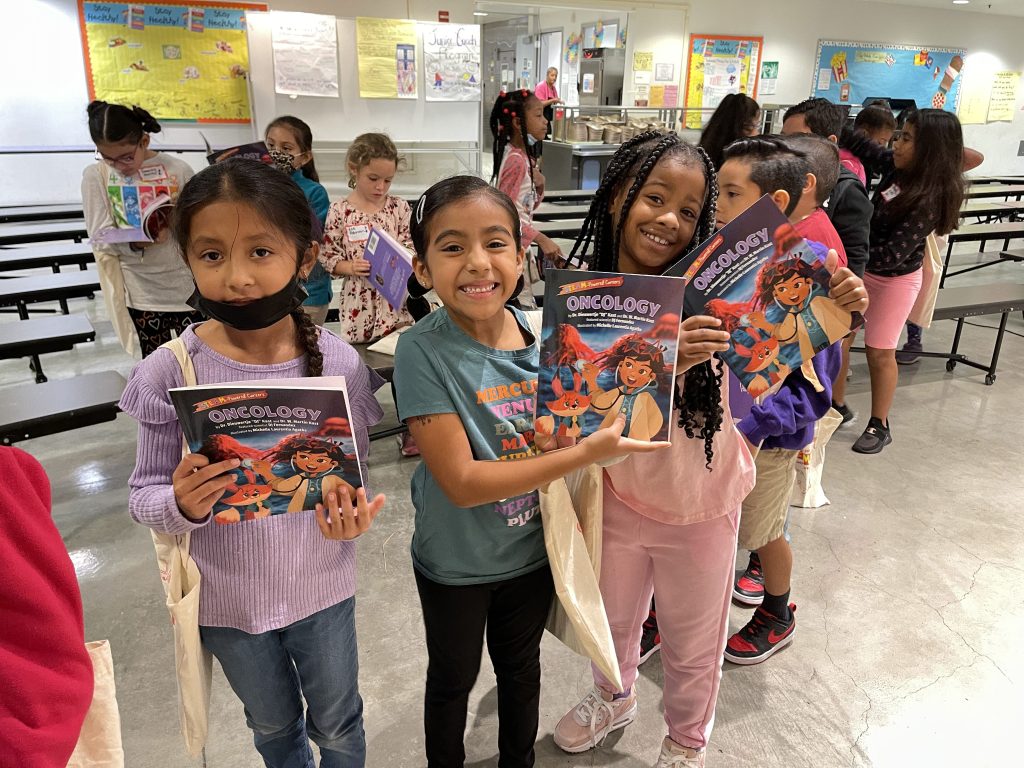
(699, 340)
(198, 484)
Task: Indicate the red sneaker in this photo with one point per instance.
(763, 635)
(749, 586)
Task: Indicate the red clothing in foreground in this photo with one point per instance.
(818, 227)
(46, 677)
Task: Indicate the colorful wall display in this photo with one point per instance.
(850, 72)
(178, 61)
(716, 66)
(386, 51)
(451, 62)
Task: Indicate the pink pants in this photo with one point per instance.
(689, 569)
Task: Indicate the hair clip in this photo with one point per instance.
(419, 208)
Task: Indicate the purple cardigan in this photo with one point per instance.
(262, 574)
(787, 417)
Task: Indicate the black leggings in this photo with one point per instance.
(513, 614)
(154, 328)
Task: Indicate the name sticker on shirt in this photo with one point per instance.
(358, 233)
(889, 193)
(153, 172)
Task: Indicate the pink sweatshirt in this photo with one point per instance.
(673, 486)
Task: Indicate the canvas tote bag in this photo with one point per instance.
(571, 513)
(99, 743)
(180, 576)
(931, 276)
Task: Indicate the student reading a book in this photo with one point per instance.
(848, 208)
(921, 191)
(736, 116)
(517, 124)
(290, 141)
(372, 162)
(783, 422)
(145, 284)
(277, 606)
(466, 377)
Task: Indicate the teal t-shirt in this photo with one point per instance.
(318, 284)
(440, 369)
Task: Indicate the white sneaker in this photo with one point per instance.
(588, 723)
(677, 756)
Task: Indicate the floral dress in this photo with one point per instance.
(365, 314)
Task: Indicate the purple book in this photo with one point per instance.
(390, 267)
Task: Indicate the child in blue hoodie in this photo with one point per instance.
(783, 422)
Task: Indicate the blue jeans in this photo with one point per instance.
(271, 672)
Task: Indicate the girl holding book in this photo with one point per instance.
(290, 142)
(145, 284)
(670, 521)
(277, 605)
(372, 163)
(465, 377)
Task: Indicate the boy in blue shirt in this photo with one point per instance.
(783, 422)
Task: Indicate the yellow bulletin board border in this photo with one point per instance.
(695, 71)
(163, 87)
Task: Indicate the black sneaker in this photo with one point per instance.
(874, 438)
(911, 351)
(848, 414)
(749, 585)
(763, 635)
(650, 638)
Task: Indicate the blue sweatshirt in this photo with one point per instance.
(787, 417)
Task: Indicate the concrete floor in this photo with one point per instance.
(907, 651)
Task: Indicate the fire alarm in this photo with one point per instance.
(442, 16)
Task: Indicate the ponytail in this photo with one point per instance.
(116, 123)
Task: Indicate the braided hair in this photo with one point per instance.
(116, 123)
(700, 400)
(506, 107)
(277, 200)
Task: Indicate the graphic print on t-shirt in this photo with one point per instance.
(512, 404)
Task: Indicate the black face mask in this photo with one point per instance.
(261, 313)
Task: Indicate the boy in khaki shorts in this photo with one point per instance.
(784, 421)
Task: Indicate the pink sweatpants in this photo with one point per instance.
(689, 569)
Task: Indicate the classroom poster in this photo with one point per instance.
(852, 72)
(386, 52)
(305, 47)
(769, 78)
(1003, 97)
(178, 61)
(451, 62)
(718, 65)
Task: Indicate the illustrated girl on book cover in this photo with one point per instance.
(789, 317)
(640, 371)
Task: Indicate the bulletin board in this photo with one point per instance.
(416, 119)
(178, 61)
(849, 72)
(716, 66)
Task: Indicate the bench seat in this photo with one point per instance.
(35, 410)
(40, 336)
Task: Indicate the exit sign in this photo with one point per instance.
(442, 16)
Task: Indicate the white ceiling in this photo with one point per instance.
(998, 7)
